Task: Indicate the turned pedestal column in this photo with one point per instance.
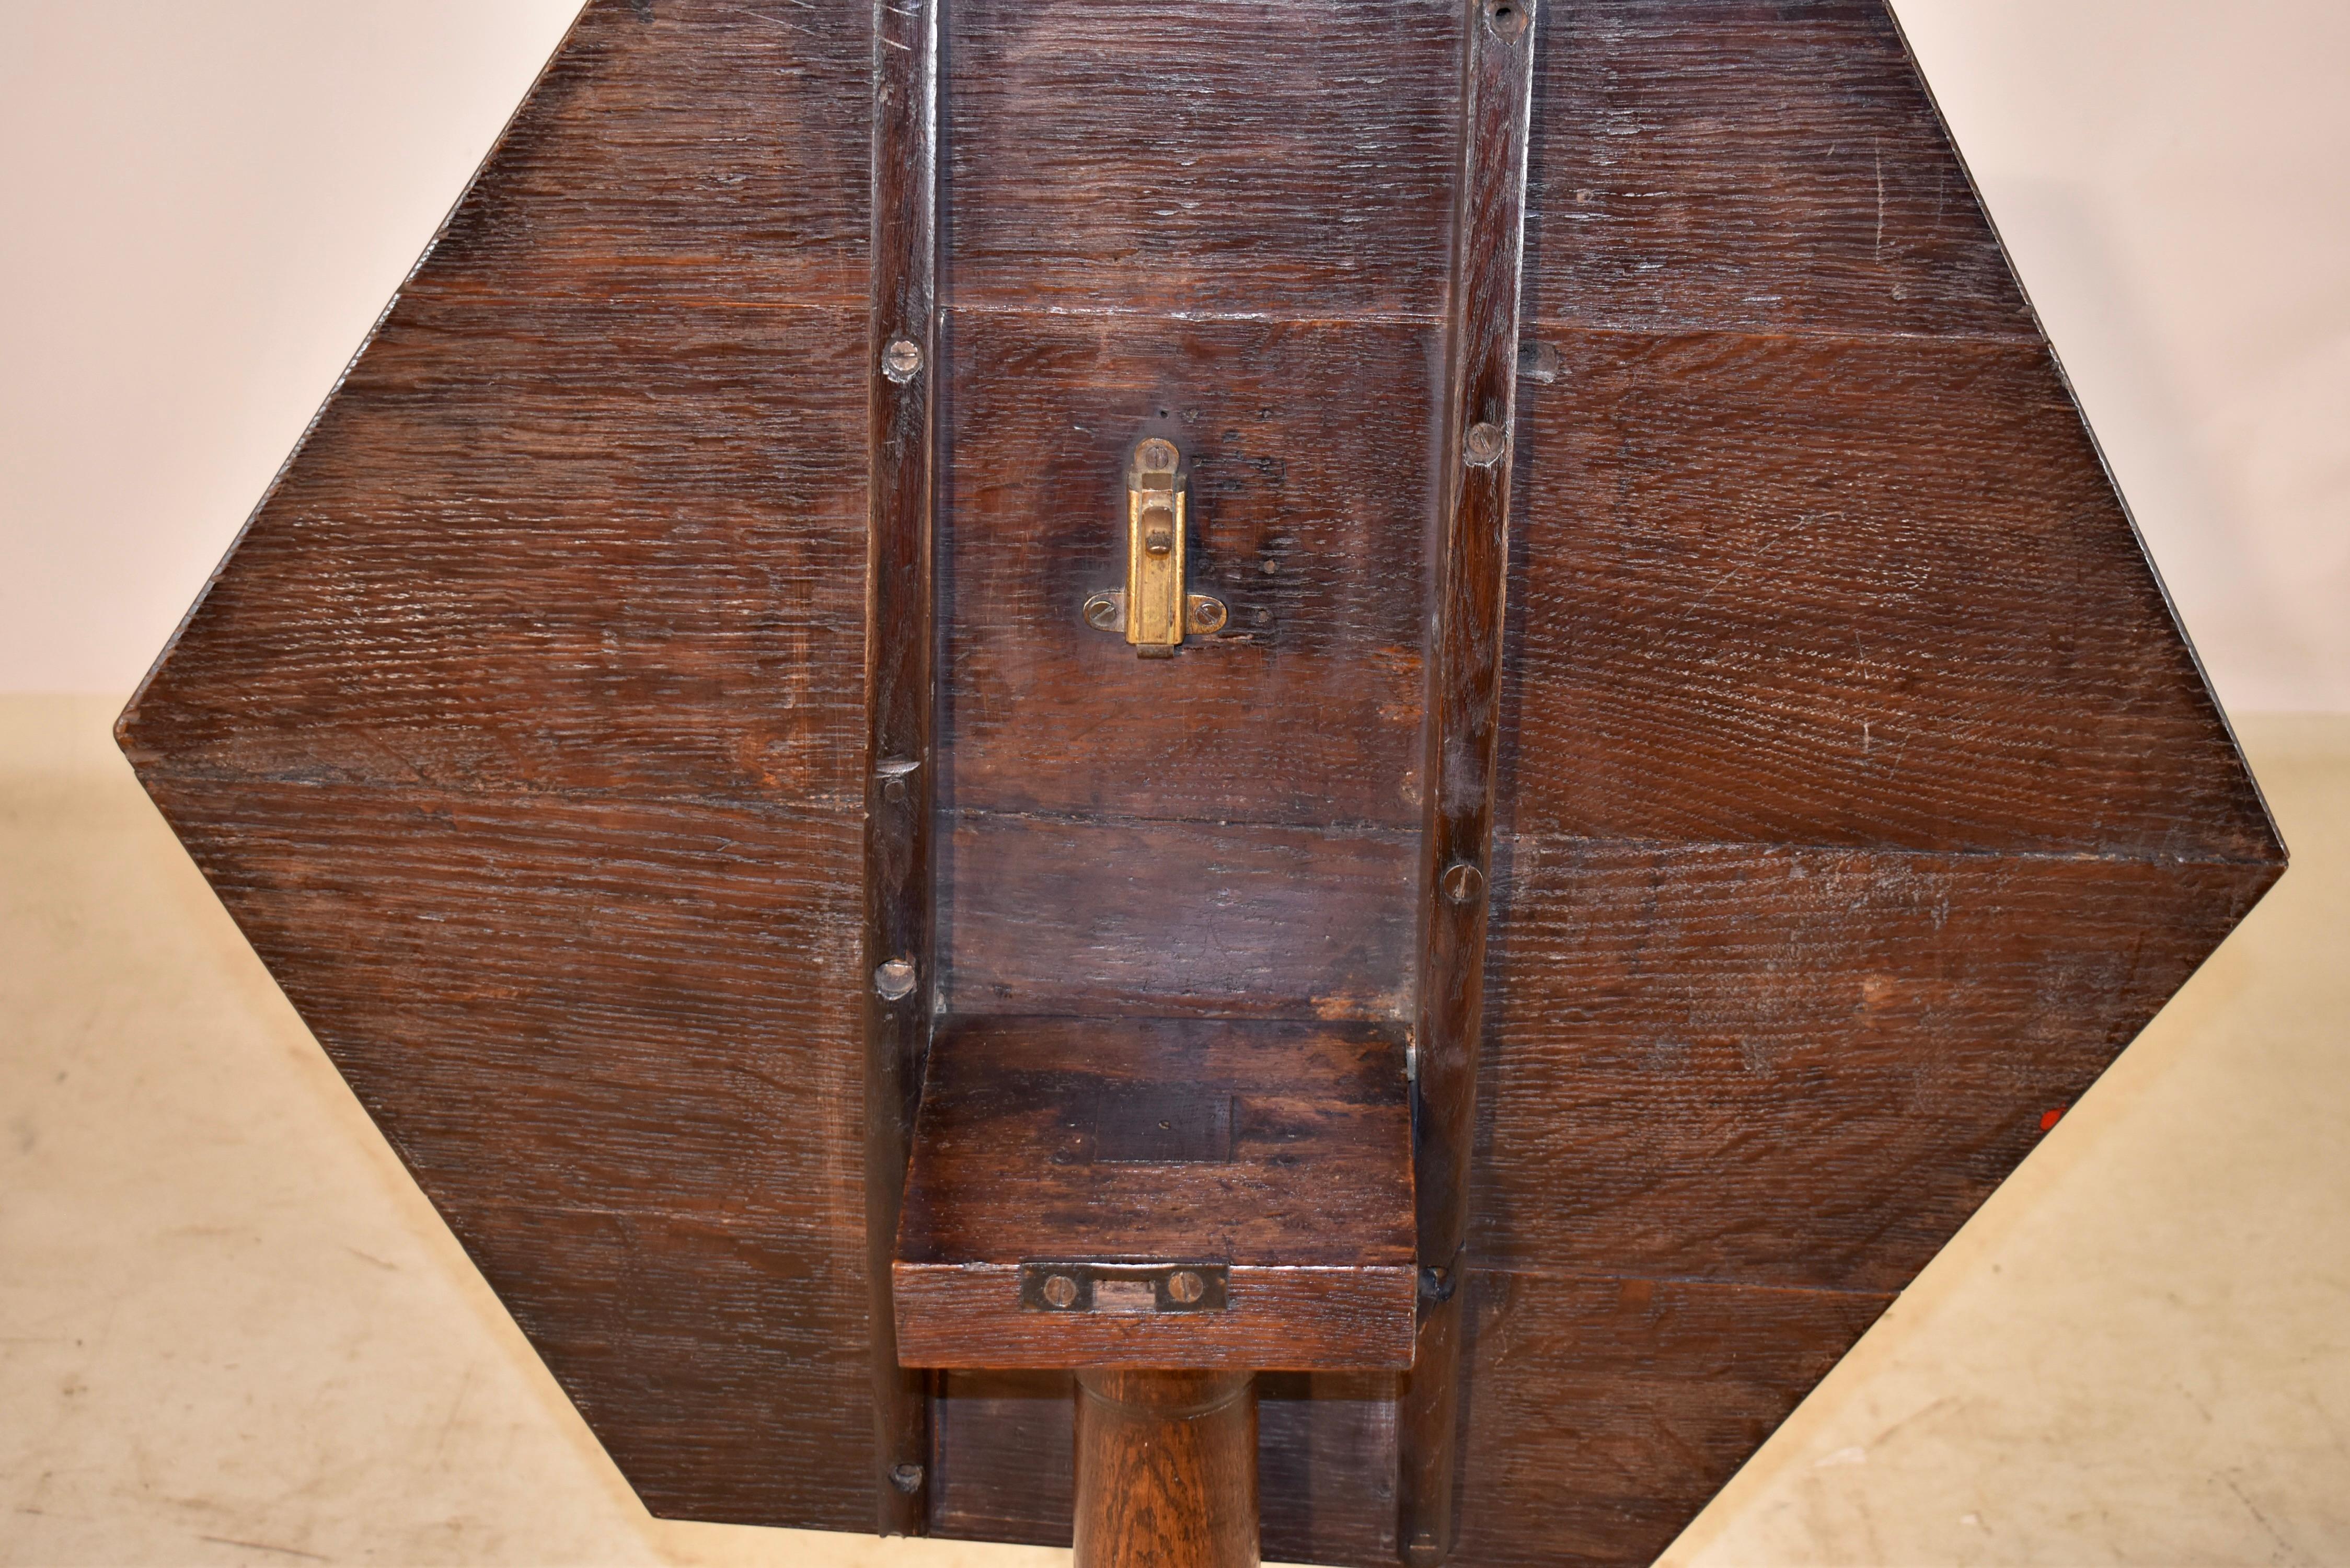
(1166, 1469)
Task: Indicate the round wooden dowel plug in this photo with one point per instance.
(1166, 1466)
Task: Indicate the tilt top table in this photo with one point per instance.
(1308, 778)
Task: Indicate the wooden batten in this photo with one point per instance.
(900, 973)
(1463, 733)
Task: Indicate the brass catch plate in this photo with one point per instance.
(1154, 609)
(1139, 1289)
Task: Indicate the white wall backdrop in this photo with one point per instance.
(205, 202)
(2172, 178)
(203, 205)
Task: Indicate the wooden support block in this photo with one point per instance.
(1201, 1193)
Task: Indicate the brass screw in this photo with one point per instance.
(1484, 444)
(894, 790)
(902, 360)
(1184, 1286)
(1061, 1291)
(894, 981)
(1463, 882)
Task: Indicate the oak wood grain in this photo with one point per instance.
(1183, 156)
(578, 1022)
(705, 1355)
(675, 155)
(1006, 1470)
(450, 735)
(1306, 451)
(1876, 591)
(1608, 1411)
(563, 1003)
(1802, 1067)
(1753, 164)
(591, 548)
(1166, 1469)
(1047, 915)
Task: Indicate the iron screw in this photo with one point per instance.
(1484, 444)
(907, 1479)
(1184, 1286)
(1061, 1291)
(1463, 882)
(894, 981)
(902, 360)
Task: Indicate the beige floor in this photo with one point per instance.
(231, 1332)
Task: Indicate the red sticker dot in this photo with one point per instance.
(2050, 1118)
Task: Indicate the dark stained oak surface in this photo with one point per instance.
(558, 547)
(609, 969)
(1171, 157)
(562, 1015)
(1307, 450)
(1737, 164)
(1858, 798)
(521, 734)
(1802, 1067)
(1855, 591)
(1612, 1409)
(680, 1339)
(676, 155)
(1211, 918)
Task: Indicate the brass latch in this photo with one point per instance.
(1153, 610)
